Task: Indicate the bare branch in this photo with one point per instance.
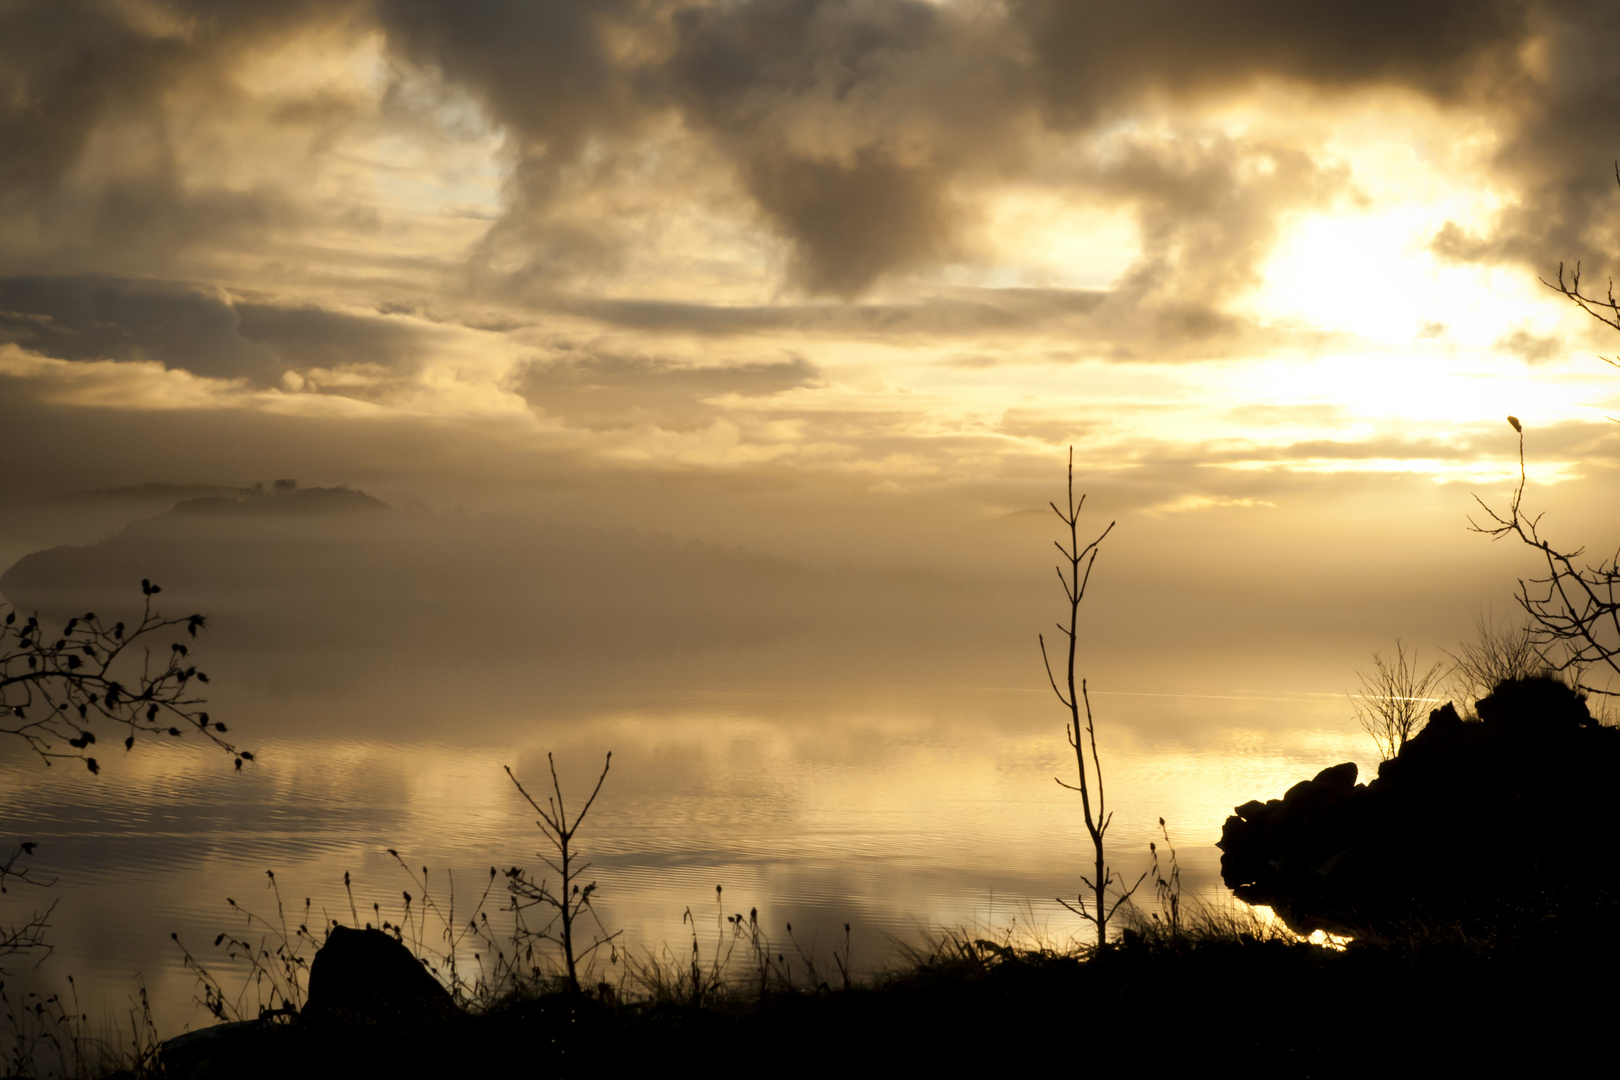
(26, 937)
(1049, 676)
(1574, 609)
(55, 688)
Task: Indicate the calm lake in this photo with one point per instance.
(895, 809)
(874, 748)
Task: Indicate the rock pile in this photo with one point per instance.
(1496, 824)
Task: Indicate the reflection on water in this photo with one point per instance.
(892, 810)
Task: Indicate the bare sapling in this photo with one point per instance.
(571, 900)
(1395, 698)
(1097, 815)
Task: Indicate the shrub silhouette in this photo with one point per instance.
(1394, 698)
(1497, 653)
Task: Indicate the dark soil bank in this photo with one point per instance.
(1220, 1008)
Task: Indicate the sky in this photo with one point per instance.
(838, 282)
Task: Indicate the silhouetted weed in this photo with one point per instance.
(271, 958)
(1167, 888)
(49, 1036)
(275, 981)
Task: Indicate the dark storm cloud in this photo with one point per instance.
(877, 195)
(68, 64)
(844, 122)
(1560, 148)
(854, 221)
(960, 310)
(314, 337)
(903, 101)
(95, 317)
(609, 391)
(542, 69)
(71, 68)
(859, 130)
(192, 327)
(1157, 315)
(64, 66)
(546, 73)
(1093, 56)
(848, 122)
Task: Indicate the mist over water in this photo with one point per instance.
(829, 748)
(892, 809)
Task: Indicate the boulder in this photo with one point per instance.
(369, 977)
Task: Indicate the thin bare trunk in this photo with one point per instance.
(1097, 818)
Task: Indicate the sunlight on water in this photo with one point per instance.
(893, 810)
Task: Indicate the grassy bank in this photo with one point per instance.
(1226, 993)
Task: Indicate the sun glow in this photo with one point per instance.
(1426, 385)
(1373, 273)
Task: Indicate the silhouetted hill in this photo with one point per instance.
(1495, 825)
(298, 501)
(328, 610)
(301, 581)
(337, 565)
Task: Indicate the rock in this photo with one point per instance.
(1443, 720)
(1338, 776)
(368, 977)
